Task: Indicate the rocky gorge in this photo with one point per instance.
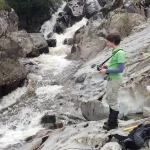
(51, 98)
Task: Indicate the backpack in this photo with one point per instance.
(136, 139)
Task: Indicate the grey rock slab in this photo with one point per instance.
(91, 7)
(24, 41)
(111, 146)
(146, 111)
(124, 22)
(94, 110)
(81, 78)
(84, 136)
(8, 22)
(3, 26)
(133, 95)
(40, 44)
(33, 145)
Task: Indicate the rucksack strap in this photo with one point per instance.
(136, 139)
(116, 52)
(110, 57)
(124, 141)
(117, 136)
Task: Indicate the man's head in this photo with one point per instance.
(113, 39)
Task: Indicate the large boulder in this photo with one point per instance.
(91, 8)
(9, 48)
(31, 45)
(89, 41)
(24, 41)
(39, 43)
(51, 42)
(91, 46)
(69, 41)
(75, 52)
(94, 110)
(11, 76)
(124, 22)
(8, 22)
(13, 46)
(74, 9)
(12, 72)
(138, 6)
(130, 6)
(3, 26)
(111, 5)
(60, 26)
(102, 2)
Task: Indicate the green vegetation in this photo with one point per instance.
(27, 5)
(3, 5)
(33, 12)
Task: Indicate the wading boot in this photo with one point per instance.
(112, 121)
(106, 122)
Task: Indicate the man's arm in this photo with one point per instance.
(117, 70)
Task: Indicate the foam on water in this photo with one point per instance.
(12, 97)
(48, 26)
(53, 63)
(62, 49)
(25, 126)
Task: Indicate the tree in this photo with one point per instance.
(33, 13)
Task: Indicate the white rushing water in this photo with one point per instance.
(23, 119)
(12, 97)
(48, 26)
(62, 49)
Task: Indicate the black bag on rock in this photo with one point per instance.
(136, 139)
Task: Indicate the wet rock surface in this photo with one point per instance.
(91, 39)
(10, 79)
(15, 44)
(40, 45)
(8, 22)
(124, 22)
(91, 8)
(31, 45)
(135, 76)
(74, 9)
(84, 136)
(52, 42)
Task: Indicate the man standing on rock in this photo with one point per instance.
(114, 71)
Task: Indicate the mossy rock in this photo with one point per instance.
(3, 5)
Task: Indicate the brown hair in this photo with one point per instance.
(114, 38)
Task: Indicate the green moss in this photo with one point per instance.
(3, 5)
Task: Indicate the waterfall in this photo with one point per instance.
(48, 26)
(62, 49)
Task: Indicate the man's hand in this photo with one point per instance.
(103, 71)
(104, 66)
